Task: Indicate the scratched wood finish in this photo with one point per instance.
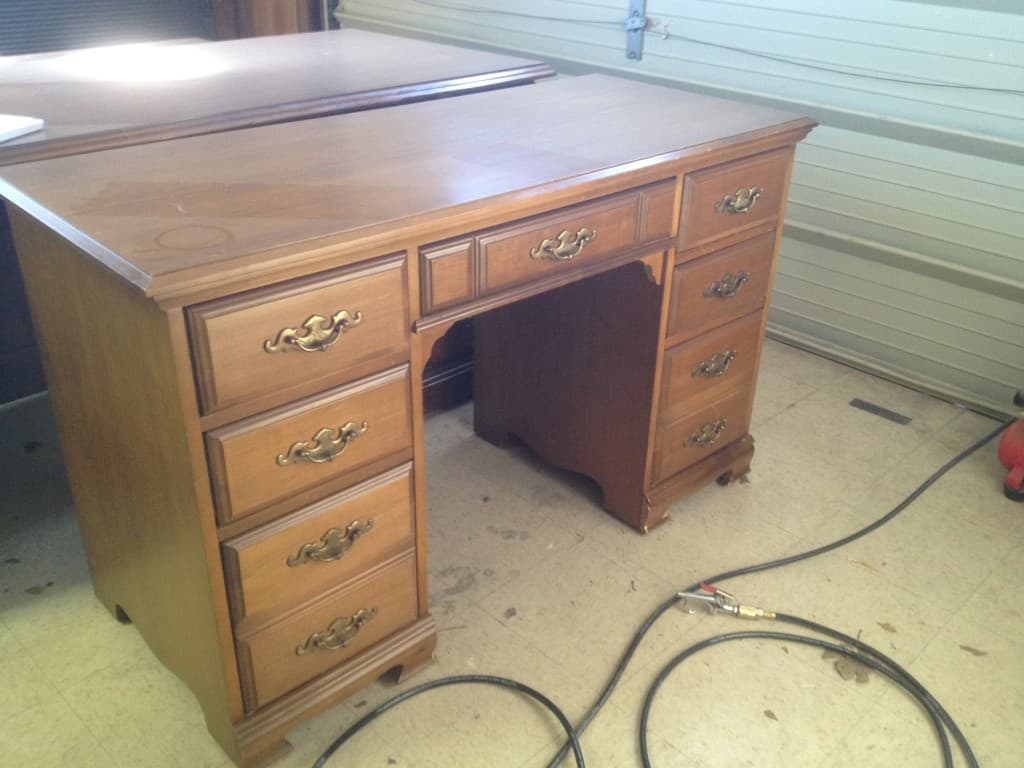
(174, 223)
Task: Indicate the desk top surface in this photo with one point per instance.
(167, 215)
(100, 98)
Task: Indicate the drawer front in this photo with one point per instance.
(278, 455)
(474, 265)
(721, 287)
(698, 435)
(270, 340)
(447, 274)
(732, 196)
(709, 366)
(293, 651)
(294, 559)
(555, 243)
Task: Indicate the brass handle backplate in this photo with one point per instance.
(707, 435)
(727, 286)
(716, 366)
(739, 202)
(340, 633)
(332, 545)
(320, 333)
(324, 446)
(565, 247)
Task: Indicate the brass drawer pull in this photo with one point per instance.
(323, 446)
(321, 332)
(716, 366)
(332, 545)
(739, 202)
(565, 247)
(707, 435)
(727, 286)
(340, 633)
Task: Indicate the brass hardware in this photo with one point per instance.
(321, 332)
(707, 435)
(728, 286)
(340, 633)
(332, 545)
(716, 366)
(740, 202)
(322, 446)
(565, 247)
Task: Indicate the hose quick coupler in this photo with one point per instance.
(753, 612)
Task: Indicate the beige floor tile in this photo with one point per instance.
(707, 534)
(581, 608)
(481, 535)
(996, 605)
(775, 395)
(752, 702)
(141, 713)
(537, 583)
(23, 685)
(70, 623)
(51, 734)
(976, 675)
(896, 733)
(9, 645)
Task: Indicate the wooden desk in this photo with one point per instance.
(101, 98)
(257, 509)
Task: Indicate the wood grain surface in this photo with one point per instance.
(98, 98)
(172, 217)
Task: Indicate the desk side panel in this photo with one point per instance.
(126, 430)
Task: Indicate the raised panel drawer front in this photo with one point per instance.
(269, 340)
(582, 234)
(721, 287)
(732, 196)
(709, 366)
(303, 645)
(698, 435)
(279, 454)
(296, 558)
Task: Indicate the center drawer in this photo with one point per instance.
(482, 263)
(300, 448)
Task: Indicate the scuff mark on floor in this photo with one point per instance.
(973, 651)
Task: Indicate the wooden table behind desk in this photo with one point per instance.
(232, 84)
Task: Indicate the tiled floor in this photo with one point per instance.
(530, 579)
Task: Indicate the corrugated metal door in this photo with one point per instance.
(903, 245)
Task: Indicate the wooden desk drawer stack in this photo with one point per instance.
(718, 296)
(311, 477)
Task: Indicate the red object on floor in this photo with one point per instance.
(1011, 455)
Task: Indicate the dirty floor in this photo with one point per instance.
(530, 579)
